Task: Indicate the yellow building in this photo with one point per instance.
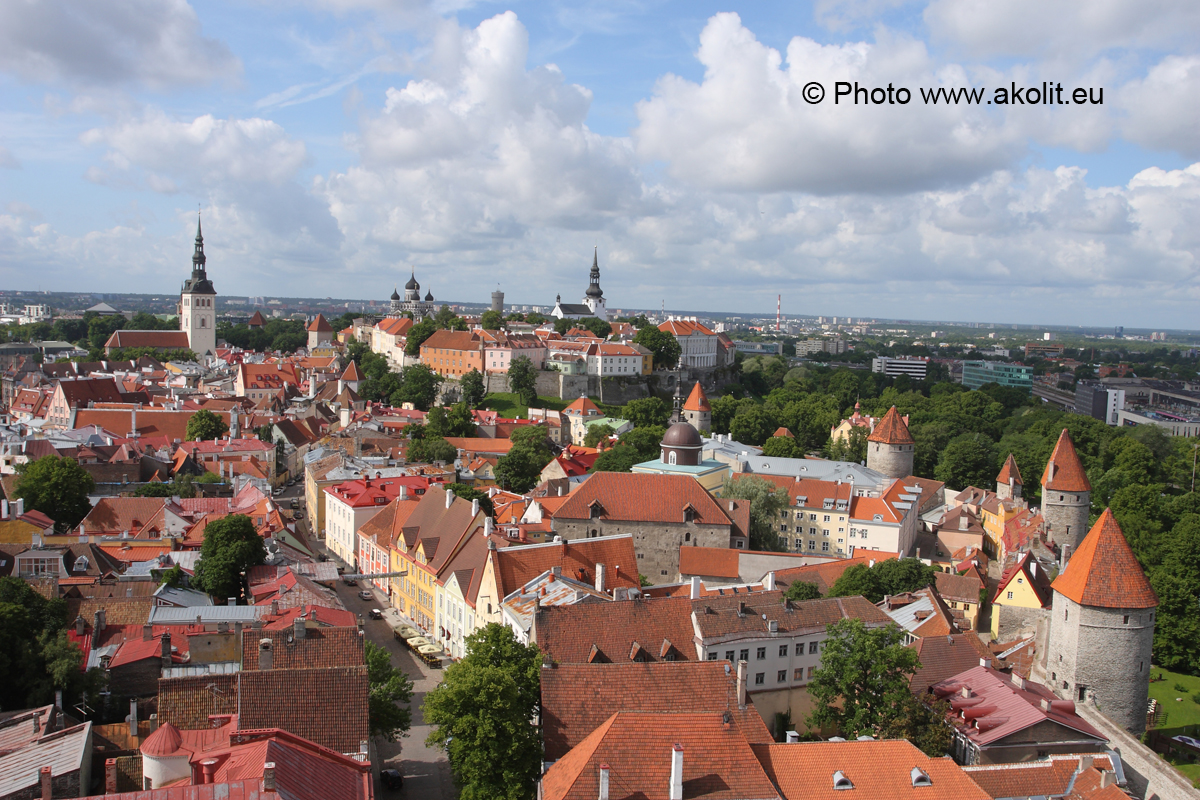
(1023, 585)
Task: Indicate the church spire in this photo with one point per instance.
(198, 258)
(593, 289)
(677, 400)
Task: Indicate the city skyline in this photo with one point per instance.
(334, 144)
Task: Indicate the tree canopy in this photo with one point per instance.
(205, 426)
(57, 487)
(472, 388)
(522, 380)
(662, 345)
(391, 692)
(482, 716)
(231, 547)
(766, 502)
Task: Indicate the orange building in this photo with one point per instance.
(452, 353)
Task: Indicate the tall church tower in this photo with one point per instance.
(594, 296)
(198, 304)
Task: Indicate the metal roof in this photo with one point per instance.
(164, 615)
(62, 751)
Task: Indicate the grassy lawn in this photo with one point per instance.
(509, 407)
(1178, 717)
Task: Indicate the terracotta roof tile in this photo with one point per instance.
(188, 702)
(784, 432)
(958, 587)
(892, 429)
(824, 575)
(879, 770)
(722, 617)
(642, 498)
(578, 698)
(944, 657)
(582, 406)
(697, 400)
(327, 706)
(1025, 566)
(1051, 777)
(320, 324)
(1064, 471)
(1010, 471)
(320, 647)
(709, 562)
(1104, 572)
(569, 633)
(637, 748)
(351, 372)
(516, 566)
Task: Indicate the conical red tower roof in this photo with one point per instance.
(697, 400)
(165, 741)
(320, 324)
(891, 429)
(1064, 471)
(1009, 472)
(1103, 572)
(352, 373)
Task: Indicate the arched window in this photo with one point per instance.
(671, 458)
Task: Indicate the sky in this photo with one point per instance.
(332, 146)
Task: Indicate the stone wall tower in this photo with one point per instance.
(1066, 495)
(1102, 627)
(697, 409)
(1008, 482)
(198, 304)
(498, 301)
(890, 446)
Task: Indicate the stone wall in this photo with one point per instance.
(1066, 518)
(1148, 775)
(1014, 622)
(67, 785)
(1105, 650)
(895, 461)
(656, 544)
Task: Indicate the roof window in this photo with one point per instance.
(840, 781)
(920, 778)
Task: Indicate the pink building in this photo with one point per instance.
(501, 348)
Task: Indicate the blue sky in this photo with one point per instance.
(335, 144)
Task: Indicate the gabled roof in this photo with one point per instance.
(583, 407)
(327, 706)
(516, 566)
(606, 632)
(733, 616)
(320, 647)
(1025, 566)
(165, 340)
(396, 326)
(877, 770)
(351, 373)
(697, 400)
(642, 498)
(684, 327)
(1010, 472)
(784, 432)
(892, 429)
(320, 324)
(1064, 471)
(452, 340)
(637, 748)
(1103, 572)
(78, 393)
(1054, 776)
(578, 698)
(944, 657)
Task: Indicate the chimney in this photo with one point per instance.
(1066, 548)
(604, 782)
(97, 622)
(208, 769)
(985, 662)
(274, 608)
(166, 650)
(449, 498)
(268, 784)
(265, 657)
(731, 505)
(3, 509)
(298, 629)
(231, 601)
(487, 526)
(79, 625)
(1085, 763)
(676, 772)
(695, 592)
(741, 683)
(110, 776)
(133, 719)
(599, 577)
(741, 608)
(962, 522)
(1107, 778)
(403, 495)
(769, 582)
(47, 788)
(237, 631)
(475, 507)
(147, 632)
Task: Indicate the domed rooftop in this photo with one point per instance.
(412, 282)
(682, 434)
(165, 741)
(395, 294)
(429, 297)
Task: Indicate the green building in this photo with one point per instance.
(977, 373)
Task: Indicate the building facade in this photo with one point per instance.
(593, 303)
(1016, 376)
(198, 304)
(890, 447)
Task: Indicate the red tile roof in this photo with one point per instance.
(320, 647)
(151, 422)
(320, 324)
(944, 657)
(236, 790)
(480, 444)
(892, 429)
(327, 706)
(452, 340)
(78, 393)
(710, 562)
(1064, 471)
(723, 617)
(1025, 566)
(964, 588)
(351, 372)
(824, 575)
(516, 566)
(606, 632)
(784, 432)
(1009, 472)
(638, 747)
(878, 770)
(697, 400)
(684, 327)
(1052, 777)
(643, 498)
(166, 340)
(578, 698)
(1104, 572)
(582, 406)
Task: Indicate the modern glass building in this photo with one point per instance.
(977, 373)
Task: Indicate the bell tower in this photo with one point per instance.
(197, 304)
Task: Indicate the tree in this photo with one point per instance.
(597, 326)
(458, 421)
(419, 386)
(857, 580)
(520, 469)
(597, 433)
(491, 320)
(851, 447)
(767, 502)
(646, 411)
(429, 449)
(899, 575)
(231, 547)
(969, 460)
(534, 318)
(862, 683)
(471, 386)
(802, 590)
(633, 447)
(782, 447)
(753, 425)
(663, 345)
(205, 426)
(57, 487)
(482, 715)
(417, 335)
(24, 614)
(522, 380)
(391, 693)
(922, 722)
(723, 409)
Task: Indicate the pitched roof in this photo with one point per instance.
(578, 698)
(151, 422)
(642, 498)
(606, 632)
(879, 770)
(958, 587)
(320, 324)
(684, 327)
(1104, 572)
(581, 406)
(1009, 472)
(166, 340)
(697, 400)
(783, 432)
(1064, 471)
(826, 573)
(1025, 566)
(256, 319)
(1055, 776)
(709, 562)
(516, 566)
(82, 391)
(944, 657)
(452, 340)
(351, 372)
(189, 701)
(892, 429)
(637, 748)
(733, 616)
(320, 647)
(327, 706)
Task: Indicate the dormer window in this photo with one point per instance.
(81, 564)
(840, 781)
(920, 778)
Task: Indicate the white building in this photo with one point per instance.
(593, 304)
(915, 368)
(197, 304)
(697, 344)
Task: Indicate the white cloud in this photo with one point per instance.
(1161, 109)
(1062, 28)
(155, 43)
(747, 126)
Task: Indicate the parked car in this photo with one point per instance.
(1187, 740)
(376, 614)
(350, 581)
(365, 595)
(392, 779)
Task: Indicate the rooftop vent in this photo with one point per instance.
(920, 778)
(840, 781)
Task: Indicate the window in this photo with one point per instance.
(811, 672)
(1126, 619)
(826, 518)
(813, 647)
(729, 655)
(1010, 597)
(798, 674)
(812, 545)
(799, 648)
(781, 676)
(761, 653)
(783, 650)
(712, 656)
(744, 655)
(760, 678)
(825, 547)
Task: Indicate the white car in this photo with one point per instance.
(1187, 740)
